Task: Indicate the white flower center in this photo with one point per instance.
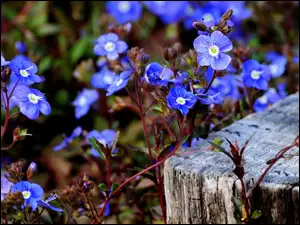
(180, 101)
(109, 46)
(214, 50)
(124, 6)
(263, 99)
(24, 72)
(256, 74)
(34, 98)
(82, 101)
(119, 82)
(273, 68)
(207, 17)
(26, 194)
(108, 79)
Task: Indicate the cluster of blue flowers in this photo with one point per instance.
(23, 74)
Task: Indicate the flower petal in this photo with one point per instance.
(45, 107)
(121, 46)
(204, 59)
(202, 43)
(112, 55)
(222, 62)
(29, 109)
(223, 42)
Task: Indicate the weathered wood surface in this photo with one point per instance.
(200, 188)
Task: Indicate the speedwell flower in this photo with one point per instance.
(103, 79)
(211, 50)
(255, 75)
(124, 11)
(32, 194)
(24, 71)
(83, 102)
(105, 137)
(109, 45)
(31, 102)
(119, 83)
(180, 99)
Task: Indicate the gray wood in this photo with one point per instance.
(201, 188)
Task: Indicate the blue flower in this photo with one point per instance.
(168, 11)
(21, 47)
(124, 11)
(109, 45)
(211, 50)
(32, 194)
(211, 97)
(4, 62)
(119, 83)
(227, 85)
(180, 99)
(24, 71)
(281, 87)
(103, 79)
(255, 75)
(5, 185)
(270, 97)
(31, 102)
(156, 74)
(76, 132)
(83, 102)
(105, 137)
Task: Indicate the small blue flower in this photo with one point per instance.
(76, 133)
(281, 87)
(168, 11)
(21, 47)
(31, 102)
(32, 194)
(211, 97)
(109, 45)
(124, 11)
(270, 97)
(24, 71)
(103, 79)
(4, 62)
(211, 50)
(119, 83)
(105, 137)
(180, 99)
(255, 75)
(156, 74)
(83, 102)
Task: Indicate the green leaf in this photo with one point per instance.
(256, 214)
(45, 64)
(96, 145)
(102, 187)
(79, 49)
(48, 29)
(114, 187)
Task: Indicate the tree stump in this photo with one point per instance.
(201, 187)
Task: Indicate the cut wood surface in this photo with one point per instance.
(201, 187)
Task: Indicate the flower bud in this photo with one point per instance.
(226, 16)
(199, 26)
(31, 170)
